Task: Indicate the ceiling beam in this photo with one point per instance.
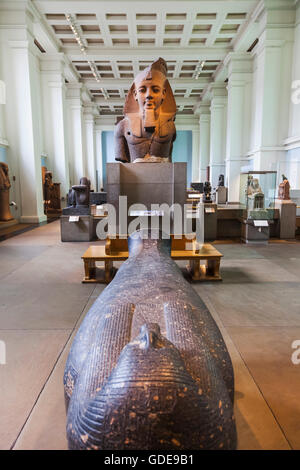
(120, 101)
(116, 83)
(123, 54)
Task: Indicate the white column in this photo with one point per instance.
(3, 140)
(272, 87)
(90, 144)
(54, 119)
(292, 143)
(24, 126)
(204, 126)
(238, 119)
(75, 132)
(218, 110)
(99, 163)
(195, 155)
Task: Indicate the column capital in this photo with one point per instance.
(239, 63)
(218, 89)
(52, 62)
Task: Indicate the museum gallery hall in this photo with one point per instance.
(150, 225)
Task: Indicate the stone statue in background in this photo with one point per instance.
(52, 204)
(147, 132)
(148, 368)
(255, 194)
(79, 195)
(207, 192)
(5, 214)
(284, 189)
(78, 199)
(221, 180)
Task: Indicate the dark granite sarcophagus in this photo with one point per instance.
(148, 368)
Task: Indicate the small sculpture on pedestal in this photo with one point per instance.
(147, 132)
(207, 192)
(221, 191)
(5, 214)
(82, 192)
(221, 181)
(256, 196)
(284, 189)
(79, 198)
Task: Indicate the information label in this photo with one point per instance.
(74, 218)
(261, 223)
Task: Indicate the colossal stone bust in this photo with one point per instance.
(147, 132)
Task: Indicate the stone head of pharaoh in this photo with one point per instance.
(150, 91)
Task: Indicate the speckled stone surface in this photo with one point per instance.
(148, 368)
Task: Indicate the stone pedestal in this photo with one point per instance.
(81, 231)
(8, 223)
(5, 214)
(221, 195)
(146, 183)
(253, 234)
(210, 222)
(287, 212)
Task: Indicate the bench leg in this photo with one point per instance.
(108, 267)
(195, 269)
(86, 269)
(213, 268)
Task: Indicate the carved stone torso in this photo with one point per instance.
(134, 142)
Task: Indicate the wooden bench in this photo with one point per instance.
(181, 249)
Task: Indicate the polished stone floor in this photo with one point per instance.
(42, 301)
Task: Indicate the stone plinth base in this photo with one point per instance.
(221, 195)
(146, 183)
(210, 221)
(287, 225)
(71, 210)
(8, 223)
(253, 234)
(81, 231)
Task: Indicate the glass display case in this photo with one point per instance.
(257, 194)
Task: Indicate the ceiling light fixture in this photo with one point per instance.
(198, 70)
(83, 48)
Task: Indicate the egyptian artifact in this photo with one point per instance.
(284, 189)
(221, 180)
(255, 194)
(148, 368)
(147, 132)
(51, 194)
(207, 192)
(5, 214)
(79, 195)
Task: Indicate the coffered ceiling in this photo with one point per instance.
(109, 42)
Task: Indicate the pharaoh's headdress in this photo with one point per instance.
(168, 106)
